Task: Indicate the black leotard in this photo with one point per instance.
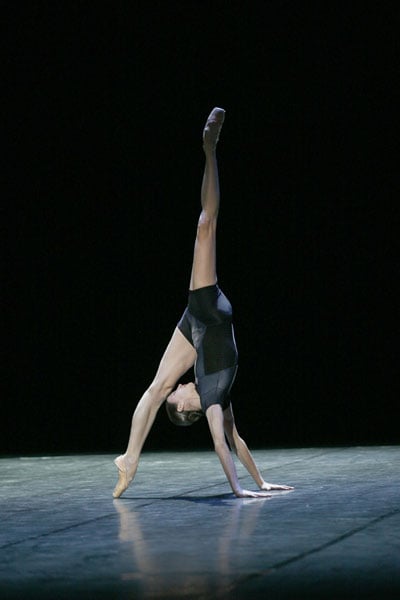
(207, 325)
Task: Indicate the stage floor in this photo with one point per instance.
(179, 533)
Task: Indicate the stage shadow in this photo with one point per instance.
(216, 499)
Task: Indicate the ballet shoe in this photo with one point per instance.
(123, 479)
(213, 127)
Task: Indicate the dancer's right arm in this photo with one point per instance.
(215, 421)
(239, 447)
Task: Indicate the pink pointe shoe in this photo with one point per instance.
(123, 479)
(213, 128)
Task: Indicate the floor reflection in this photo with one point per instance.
(187, 545)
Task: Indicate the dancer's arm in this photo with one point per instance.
(239, 447)
(215, 420)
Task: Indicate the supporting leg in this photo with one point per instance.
(178, 358)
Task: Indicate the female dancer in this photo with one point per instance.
(203, 338)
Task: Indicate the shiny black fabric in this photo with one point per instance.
(207, 325)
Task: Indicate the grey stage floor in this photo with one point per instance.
(179, 533)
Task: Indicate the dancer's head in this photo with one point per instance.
(183, 405)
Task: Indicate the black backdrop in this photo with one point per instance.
(106, 108)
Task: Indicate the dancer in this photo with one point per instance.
(204, 339)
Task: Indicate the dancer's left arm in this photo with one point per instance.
(215, 420)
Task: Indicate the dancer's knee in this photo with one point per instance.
(159, 390)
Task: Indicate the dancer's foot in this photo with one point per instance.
(213, 128)
(126, 472)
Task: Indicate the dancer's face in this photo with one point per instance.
(185, 397)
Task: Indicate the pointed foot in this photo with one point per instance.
(123, 476)
(212, 128)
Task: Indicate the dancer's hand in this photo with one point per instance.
(275, 486)
(247, 494)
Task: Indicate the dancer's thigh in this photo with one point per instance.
(178, 358)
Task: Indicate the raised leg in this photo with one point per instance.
(204, 270)
(178, 358)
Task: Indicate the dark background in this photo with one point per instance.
(105, 107)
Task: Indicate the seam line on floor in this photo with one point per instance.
(306, 554)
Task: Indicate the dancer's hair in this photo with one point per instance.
(183, 418)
